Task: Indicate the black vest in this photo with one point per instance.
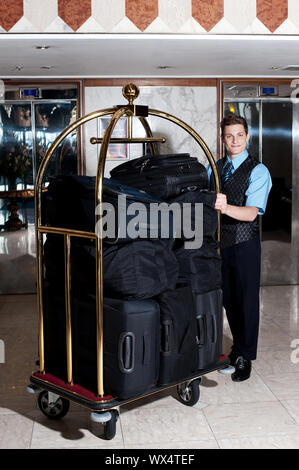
(234, 231)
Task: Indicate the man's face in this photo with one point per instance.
(235, 139)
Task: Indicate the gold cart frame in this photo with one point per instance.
(129, 111)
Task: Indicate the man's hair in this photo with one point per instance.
(231, 120)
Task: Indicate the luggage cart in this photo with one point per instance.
(54, 394)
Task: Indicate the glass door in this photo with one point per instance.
(27, 129)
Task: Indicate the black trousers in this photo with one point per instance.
(241, 266)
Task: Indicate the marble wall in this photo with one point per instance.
(196, 106)
(151, 16)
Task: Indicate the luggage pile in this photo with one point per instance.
(162, 302)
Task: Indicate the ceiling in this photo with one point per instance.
(147, 55)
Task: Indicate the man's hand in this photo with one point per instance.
(243, 213)
(221, 203)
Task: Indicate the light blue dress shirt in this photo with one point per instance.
(259, 185)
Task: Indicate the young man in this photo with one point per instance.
(245, 186)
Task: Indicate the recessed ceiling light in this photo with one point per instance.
(47, 67)
(163, 67)
(274, 67)
(42, 48)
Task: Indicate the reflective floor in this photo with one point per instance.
(262, 412)
(18, 255)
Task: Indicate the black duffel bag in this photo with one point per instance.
(69, 202)
(200, 268)
(163, 176)
(209, 220)
(141, 269)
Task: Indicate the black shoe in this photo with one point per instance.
(243, 370)
(233, 355)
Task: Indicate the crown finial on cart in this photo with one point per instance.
(130, 92)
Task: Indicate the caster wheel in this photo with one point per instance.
(188, 392)
(55, 409)
(110, 426)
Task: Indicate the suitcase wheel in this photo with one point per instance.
(188, 392)
(110, 426)
(53, 406)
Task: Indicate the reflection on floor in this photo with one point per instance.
(18, 256)
(262, 412)
(279, 260)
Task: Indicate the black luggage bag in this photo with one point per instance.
(209, 327)
(69, 202)
(163, 176)
(209, 219)
(200, 268)
(131, 343)
(141, 269)
(179, 356)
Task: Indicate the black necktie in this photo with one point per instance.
(227, 171)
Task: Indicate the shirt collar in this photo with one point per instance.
(237, 161)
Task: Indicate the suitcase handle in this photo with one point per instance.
(201, 330)
(166, 337)
(146, 349)
(126, 352)
(214, 328)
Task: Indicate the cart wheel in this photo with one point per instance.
(110, 426)
(189, 392)
(55, 410)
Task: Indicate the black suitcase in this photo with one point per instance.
(179, 357)
(209, 327)
(69, 202)
(131, 343)
(163, 176)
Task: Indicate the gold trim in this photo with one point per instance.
(39, 250)
(71, 391)
(130, 91)
(146, 126)
(65, 231)
(129, 140)
(99, 245)
(67, 271)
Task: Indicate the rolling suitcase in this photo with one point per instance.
(209, 327)
(131, 342)
(131, 345)
(178, 357)
(163, 176)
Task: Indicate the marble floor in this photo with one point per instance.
(262, 412)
